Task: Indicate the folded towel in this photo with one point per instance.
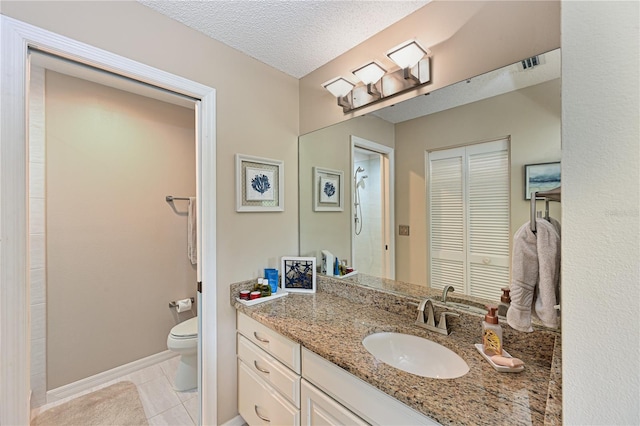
(548, 249)
(192, 231)
(524, 277)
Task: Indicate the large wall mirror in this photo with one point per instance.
(382, 228)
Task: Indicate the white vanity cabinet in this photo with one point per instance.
(268, 375)
(356, 397)
(271, 391)
(318, 408)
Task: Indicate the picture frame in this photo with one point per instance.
(541, 177)
(328, 190)
(259, 184)
(298, 274)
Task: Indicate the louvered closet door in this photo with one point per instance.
(468, 201)
(488, 218)
(446, 208)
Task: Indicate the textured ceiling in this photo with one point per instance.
(295, 37)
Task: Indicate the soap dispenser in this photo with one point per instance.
(491, 333)
(505, 301)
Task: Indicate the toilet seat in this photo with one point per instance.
(185, 330)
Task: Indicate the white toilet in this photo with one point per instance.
(183, 339)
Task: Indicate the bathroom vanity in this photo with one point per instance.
(301, 361)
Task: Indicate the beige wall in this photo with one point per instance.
(530, 117)
(466, 38)
(601, 213)
(116, 250)
(330, 148)
(257, 113)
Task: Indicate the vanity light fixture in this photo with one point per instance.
(340, 88)
(407, 55)
(370, 74)
(377, 83)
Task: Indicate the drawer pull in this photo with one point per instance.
(255, 333)
(255, 362)
(264, 419)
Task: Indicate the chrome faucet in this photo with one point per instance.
(428, 321)
(446, 290)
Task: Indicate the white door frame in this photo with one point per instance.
(389, 204)
(16, 38)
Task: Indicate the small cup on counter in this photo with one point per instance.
(254, 295)
(244, 294)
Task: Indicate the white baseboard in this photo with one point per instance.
(106, 376)
(236, 421)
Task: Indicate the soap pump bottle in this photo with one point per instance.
(491, 333)
(505, 301)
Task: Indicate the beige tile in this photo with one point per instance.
(176, 416)
(145, 375)
(170, 367)
(187, 395)
(193, 407)
(157, 396)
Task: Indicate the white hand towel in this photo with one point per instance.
(192, 231)
(548, 248)
(524, 277)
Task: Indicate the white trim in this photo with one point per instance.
(106, 376)
(390, 205)
(15, 39)
(236, 421)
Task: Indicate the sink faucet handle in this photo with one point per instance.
(442, 324)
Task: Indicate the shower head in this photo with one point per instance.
(360, 183)
(359, 169)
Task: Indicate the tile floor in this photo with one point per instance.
(162, 404)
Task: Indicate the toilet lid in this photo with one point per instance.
(185, 329)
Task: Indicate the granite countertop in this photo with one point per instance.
(333, 322)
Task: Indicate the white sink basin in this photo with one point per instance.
(416, 355)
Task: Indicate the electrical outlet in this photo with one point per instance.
(403, 230)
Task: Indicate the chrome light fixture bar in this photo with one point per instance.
(377, 83)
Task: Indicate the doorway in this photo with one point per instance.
(18, 38)
(372, 245)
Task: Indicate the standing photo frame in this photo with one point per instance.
(541, 177)
(298, 274)
(259, 184)
(328, 190)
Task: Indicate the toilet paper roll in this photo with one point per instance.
(183, 305)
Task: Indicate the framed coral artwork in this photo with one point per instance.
(328, 186)
(298, 274)
(259, 184)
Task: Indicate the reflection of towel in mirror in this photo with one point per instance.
(524, 277)
(192, 231)
(548, 249)
(535, 262)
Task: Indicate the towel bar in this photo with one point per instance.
(170, 198)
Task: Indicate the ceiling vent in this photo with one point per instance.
(531, 62)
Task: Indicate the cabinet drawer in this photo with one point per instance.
(281, 348)
(363, 399)
(260, 404)
(319, 409)
(270, 370)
